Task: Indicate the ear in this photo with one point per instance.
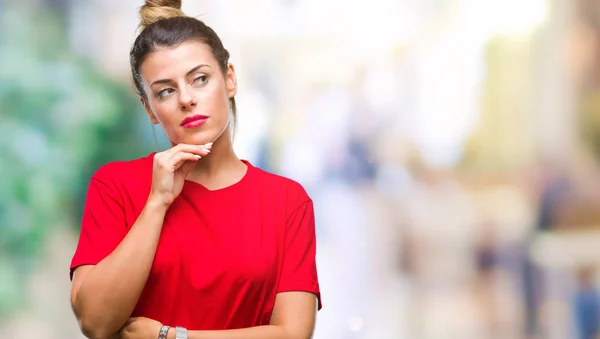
(151, 116)
(231, 81)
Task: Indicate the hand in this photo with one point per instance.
(170, 169)
(140, 328)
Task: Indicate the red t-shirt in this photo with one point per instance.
(222, 255)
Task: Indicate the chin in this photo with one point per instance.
(199, 138)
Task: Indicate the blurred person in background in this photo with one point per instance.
(553, 187)
(587, 305)
(192, 241)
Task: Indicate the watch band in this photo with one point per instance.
(164, 330)
(181, 333)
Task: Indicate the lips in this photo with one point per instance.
(194, 121)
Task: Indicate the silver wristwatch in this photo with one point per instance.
(181, 333)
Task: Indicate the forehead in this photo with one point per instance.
(166, 63)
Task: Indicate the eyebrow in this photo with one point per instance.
(191, 71)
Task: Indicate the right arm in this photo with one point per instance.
(103, 296)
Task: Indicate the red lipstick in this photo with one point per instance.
(194, 121)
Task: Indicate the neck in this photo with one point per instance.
(219, 164)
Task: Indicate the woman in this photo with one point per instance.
(192, 242)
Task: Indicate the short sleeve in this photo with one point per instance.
(299, 270)
(103, 225)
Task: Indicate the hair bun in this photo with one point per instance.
(154, 10)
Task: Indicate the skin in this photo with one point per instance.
(179, 82)
(195, 84)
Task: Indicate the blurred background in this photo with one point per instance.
(451, 147)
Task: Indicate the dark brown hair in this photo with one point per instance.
(165, 26)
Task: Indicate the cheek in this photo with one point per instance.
(217, 93)
(166, 112)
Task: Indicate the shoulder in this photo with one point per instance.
(124, 172)
(282, 187)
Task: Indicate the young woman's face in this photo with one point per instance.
(188, 93)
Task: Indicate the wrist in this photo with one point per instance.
(171, 333)
(177, 333)
(156, 204)
(163, 332)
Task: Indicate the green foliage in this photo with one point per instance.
(60, 119)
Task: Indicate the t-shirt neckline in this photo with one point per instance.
(249, 170)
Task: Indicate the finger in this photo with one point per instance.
(196, 149)
(201, 150)
(171, 160)
(120, 334)
(130, 320)
(180, 158)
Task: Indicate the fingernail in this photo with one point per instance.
(197, 156)
(206, 150)
(209, 144)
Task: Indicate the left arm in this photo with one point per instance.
(293, 318)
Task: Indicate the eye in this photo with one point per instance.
(165, 92)
(200, 80)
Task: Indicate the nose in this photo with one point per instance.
(187, 98)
